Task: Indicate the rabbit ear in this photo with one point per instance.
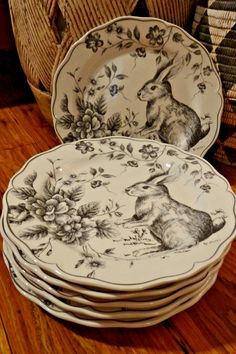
(171, 70)
(161, 69)
(170, 175)
(157, 177)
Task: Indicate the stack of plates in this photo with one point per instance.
(116, 232)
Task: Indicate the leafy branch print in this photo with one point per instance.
(148, 154)
(112, 77)
(24, 192)
(198, 71)
(198, 177)
(122, 38)
(91, 260)
(88, 210)
(113, 209)
(35, 233)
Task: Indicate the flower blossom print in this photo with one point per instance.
(84, 147)
(55, 209)
(90, 124)
(113, 90)
(93, 41)
(149, 151)
(58, 208)
(155, 35)
(207, 70)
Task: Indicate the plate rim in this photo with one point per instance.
(111, 323)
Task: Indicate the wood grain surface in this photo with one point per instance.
(207, 327)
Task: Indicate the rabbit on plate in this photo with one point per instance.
(175, 122)
(174, 224)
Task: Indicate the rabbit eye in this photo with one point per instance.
(145, 187)
(153, 88)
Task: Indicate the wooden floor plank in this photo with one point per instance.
(4, 344)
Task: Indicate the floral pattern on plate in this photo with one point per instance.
(104, 201)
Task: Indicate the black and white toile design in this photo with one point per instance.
(142, 78)
(116, 199)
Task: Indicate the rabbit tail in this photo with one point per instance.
(218, 223)
(205, 128)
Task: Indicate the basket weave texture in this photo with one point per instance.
(45, 29)
(215, 26)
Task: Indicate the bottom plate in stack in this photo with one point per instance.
(108, 314)
(106, 320)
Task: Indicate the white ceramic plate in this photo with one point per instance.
(71, 291)
(119, 213)
(139, 77)
(88, 312)
(120, 305)
(59, 313)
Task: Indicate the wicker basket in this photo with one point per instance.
(214, 25)
(45, 29)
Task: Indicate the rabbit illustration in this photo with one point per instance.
(175, 122)
(174, 224)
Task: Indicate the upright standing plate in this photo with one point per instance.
(139, 77)
(119, 213)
